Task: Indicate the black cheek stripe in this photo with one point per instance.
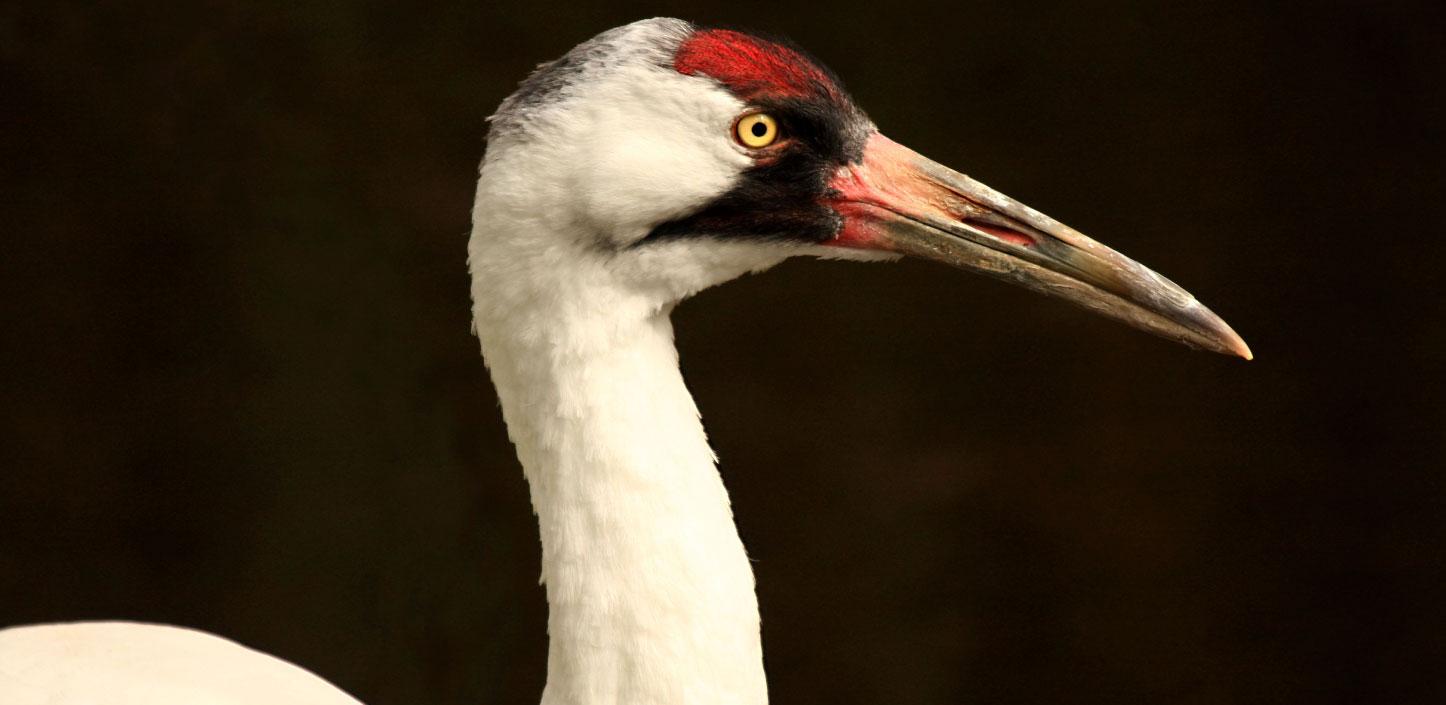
(786, 198)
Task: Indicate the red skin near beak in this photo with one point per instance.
(884, 177)
(887, 180)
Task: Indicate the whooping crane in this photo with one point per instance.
(650, 162)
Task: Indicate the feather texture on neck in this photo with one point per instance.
(650, 594)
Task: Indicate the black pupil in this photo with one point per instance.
(759, 129)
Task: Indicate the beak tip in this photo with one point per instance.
(1215, 333)
(1233, 344)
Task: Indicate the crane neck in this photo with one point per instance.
(650, 594)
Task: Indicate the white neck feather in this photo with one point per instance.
(650, 593)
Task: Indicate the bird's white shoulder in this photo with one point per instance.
(126, 663)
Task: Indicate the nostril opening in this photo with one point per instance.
(1008, 235)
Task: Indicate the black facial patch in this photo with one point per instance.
(781, 196)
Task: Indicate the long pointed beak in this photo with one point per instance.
(897, 200)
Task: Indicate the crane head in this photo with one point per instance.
(672, 157)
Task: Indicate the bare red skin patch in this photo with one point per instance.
(886, 185)
(871, 191)
(751, 67)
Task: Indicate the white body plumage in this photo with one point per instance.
(126, 663)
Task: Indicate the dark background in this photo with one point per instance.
(237, 389)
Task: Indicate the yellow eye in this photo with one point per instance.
(757, 130)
